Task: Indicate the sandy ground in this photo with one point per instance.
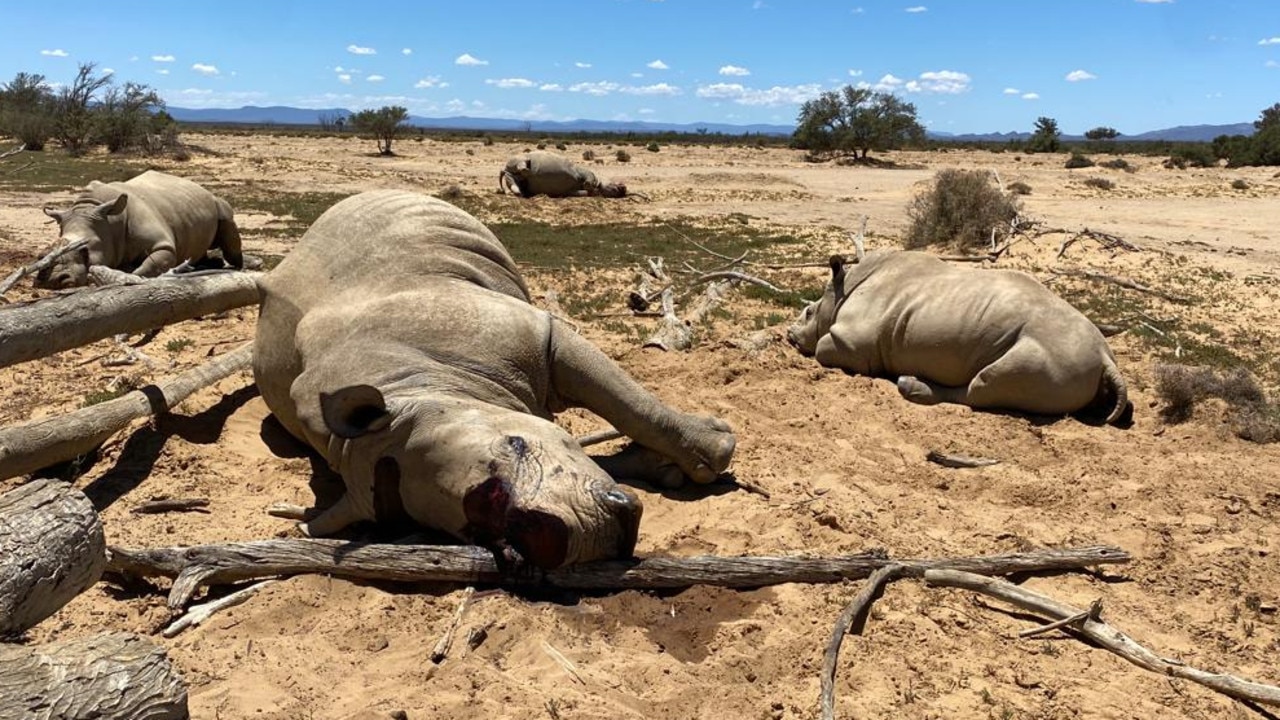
(843, 459)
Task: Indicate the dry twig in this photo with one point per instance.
(1116, 280)
(199, 613)
(441, 650)
(958, 461)
(854, 615)
(164, 505)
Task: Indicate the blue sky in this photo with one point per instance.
(968, 65)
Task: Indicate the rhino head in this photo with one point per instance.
(817, 317)
(84, 221)
(507, 480)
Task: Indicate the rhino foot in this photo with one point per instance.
(916, 391)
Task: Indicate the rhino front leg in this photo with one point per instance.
(583, 376)
(228, 236)
(160, 260)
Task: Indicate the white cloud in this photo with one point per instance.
(1078, 75)
(204, 98)
(209, 70)
(357, 50)
(582, 65)
(598, 89)
(605, 87)
(550, 87)
(195, 91)
(946, 82)
(339, 69)
(758, 5)
(133, 59)
(163, 71)
(108, 71)
(59, 52)
(508, 83)
(455, 106)
(637, 74)
(1269, 41)
(406, 51)
(375, 78)
(658, 65)
(162, 58)
(1030, 96)
(776, 95)
(1271, 63)
(734, 70)
(430, 81)
(468, 59)
(855, 73)
(344, 78)
(1012, 91)
(856, 11)
(645, 111)
(657, 89)
(917, 9)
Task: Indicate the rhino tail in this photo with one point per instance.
(1115, 388)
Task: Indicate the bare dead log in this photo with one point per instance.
(40, 264)
(649, 287)
(1116, 280)
(708, 301)
(755, 342)
(15, 151)
(738, 276)
(115, 676)
(672, 333)
(29, 447)
(952, 460)
(1109, 330)
(51, 549)
(850, 621)
(37, 329)
(164, 505)
(193, 567)
(1105, 635)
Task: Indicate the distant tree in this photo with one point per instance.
(384, 124)
(1046, 137)
(855, 121)
(332, 121)
(123, 117)
(75, 122)
(26, 110)
(1266, 139)
(1102, 133)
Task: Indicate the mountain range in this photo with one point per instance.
(283, 115)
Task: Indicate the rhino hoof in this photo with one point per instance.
(916, 391)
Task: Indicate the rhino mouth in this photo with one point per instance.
(538, 537)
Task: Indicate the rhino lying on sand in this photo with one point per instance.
(147, 225)
(546, 173)
(397, 339)
(984, 338)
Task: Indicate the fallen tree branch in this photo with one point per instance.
(164, 505)
(199, 613)
(37, 329)
(739, 276)
(672, 333)
(989, 257)
(1105, 636)
(40, 264)
(441, 650)
(31, 446)
(1116, 280)
(600, 436)
(1094, 612)
(958, 461)
(195, 566)
(15, 151)
(854, 614)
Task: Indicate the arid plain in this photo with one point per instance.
(842, 458)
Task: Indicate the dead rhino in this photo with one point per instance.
(546, 173)
(397, 339)
(993, 339)
(146, 225)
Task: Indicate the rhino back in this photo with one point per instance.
(916, 314)
(162, 206)
(553, 175)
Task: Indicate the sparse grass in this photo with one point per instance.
(55, 171)
(177, 345)
(1239, 184)
(1099, 183)
(1118, 164)
(1182, 387)
(959, 209)
(622, 156)
(296, 210)
(96, 397)
(796, 299)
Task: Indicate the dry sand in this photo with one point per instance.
(842, 457)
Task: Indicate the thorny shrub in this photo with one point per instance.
(960, 208)
(1181, 388)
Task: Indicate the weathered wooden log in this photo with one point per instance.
(51, 549)
(41, 328)
(29, 447)
(233, 562)
(114, 676)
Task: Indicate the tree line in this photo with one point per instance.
(90, 110)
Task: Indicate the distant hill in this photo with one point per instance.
(282, 115)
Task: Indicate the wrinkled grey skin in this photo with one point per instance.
(993, 339)
(545, 173)
(397, 339)
(146, 225)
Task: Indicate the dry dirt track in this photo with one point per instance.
(842, 457)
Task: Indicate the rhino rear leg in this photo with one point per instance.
(335, 518)
(923, 392)
(228, 236)
(583, 376)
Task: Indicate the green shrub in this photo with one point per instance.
(1240, 184)
(588, 155)
(1078, 161)
(542, 146)
(1100, 183)
(487, 141)
(622, 156)
(561, 146)
(1118, 164)
(1181, 388)
(652, 147)
(1191, 155)
(177, 345)
(961, 208)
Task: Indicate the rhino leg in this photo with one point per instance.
(923, 392)
(161, 259)
(583, 376)
(228, 236)
(333, 519)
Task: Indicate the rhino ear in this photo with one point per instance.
(837, 265)
(112, 207)
(57, 215)
(354, 411)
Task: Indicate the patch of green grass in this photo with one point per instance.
(797, 299)
(177, 345)
(55, 171)
(301, 209)
(624, 245)
(101, 396)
